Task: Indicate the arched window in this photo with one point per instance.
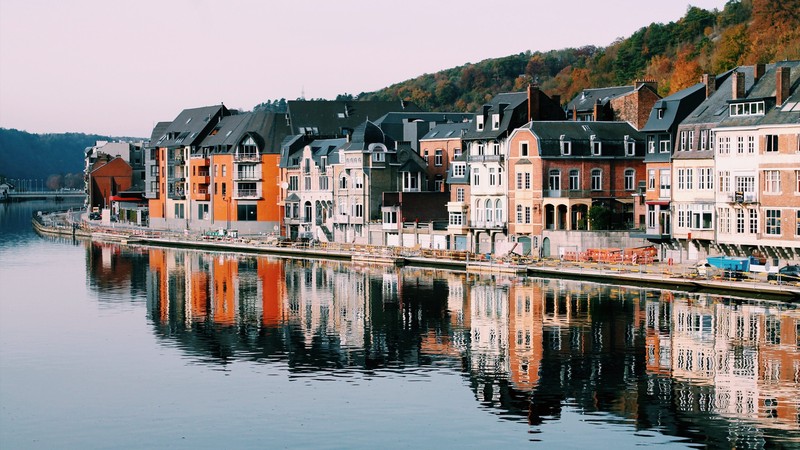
(343, 182)
(498, 210)
(488, 210)
(630, 179)
(307, 211)
(478, 211)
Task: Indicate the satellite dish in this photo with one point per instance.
(284, 185)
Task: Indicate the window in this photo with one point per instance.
(323, 183)
(702, 217)
(681, 179)
(753, 220)
(691, 140)
(224, 170)
(358, 210)
(496, 148)
(747, 109)
(574, 180)
(519, 180)
(293, 183)
(343, 182)
(425, 157)
(772, 181)
(664, 143)
(554, 180)
(179, 210)
(224, 189)
(705, 178)
(660, 113)
(739, 221)
(307, 183)
(566, 147)
(495, 121)
(527, 180)
(651, 144)
(630, 179)
(683, 212)
(480, 148)
(456, 218)
(479, 123)
(596, 146)
(154, 187)
(751, 144)
(724, 145)
(438, 185)
(359, 183)
(154, 171)
(489, 210)
(745, 183)
(528, 215)
(797, 181)
(630, 146)
(460, 194)
(703, 139)
(651, 180)
(498, 210)
(492, 177)
(772, 142)
(773, 222)
(740, 144)
(391, 217)
(689, 179)
(665, 183)
(476, 176)
(216, 170)
(724, 220)
(247, 213)
(797, 223)
(523, 148)
(459, 170)
(724, 181)
(682, 146)
(519, 213)
(651, 216)
(597, 179)
(202, 211)
(437, 157)
(379, 156)
(456, 152)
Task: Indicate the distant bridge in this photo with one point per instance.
(14, 196)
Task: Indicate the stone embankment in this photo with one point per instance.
(656, 275)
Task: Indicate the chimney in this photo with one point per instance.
(782, 82)
(737, 83)
(533, 103)
(597, 110)
(652, 83)
(574, 112)
(758, 72)
(711, 83)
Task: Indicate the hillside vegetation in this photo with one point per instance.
(26, 155)
(675, 54)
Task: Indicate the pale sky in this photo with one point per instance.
(116, 67)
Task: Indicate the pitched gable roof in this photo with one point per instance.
(333, 118)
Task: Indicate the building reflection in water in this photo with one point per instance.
(716, 370)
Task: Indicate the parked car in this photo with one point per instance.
(789, 273)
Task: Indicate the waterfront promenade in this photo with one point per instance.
(657, 275)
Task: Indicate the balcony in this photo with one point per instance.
(485, 158)
(247, 176)
(563, 193)
(247, 157)
(487, 225)
(742, 197)
(247, 193)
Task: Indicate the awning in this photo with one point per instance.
(627, 200)
(658, 202)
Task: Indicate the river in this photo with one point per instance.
(109, 346)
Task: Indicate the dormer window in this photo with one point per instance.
(630, 146)
(660, 113)
(495, 121)
(747, 109)
(479, 123)
(597, 146)
(566, 146)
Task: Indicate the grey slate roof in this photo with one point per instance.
(715, 108)
(586, 100)
(328, 118)
(610, 134)
(764, 89)
(158, 131)
(448, 131)
(675, 108)
(267, 129)
(513, 109)
(365, 134)
(191, 126)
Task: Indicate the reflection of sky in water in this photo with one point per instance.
(105, 345)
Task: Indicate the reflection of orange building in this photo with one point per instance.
(272, 275)
(525, 334)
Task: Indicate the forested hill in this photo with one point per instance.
(675, 54)
(25, 155)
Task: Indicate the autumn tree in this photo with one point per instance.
(687, 71)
